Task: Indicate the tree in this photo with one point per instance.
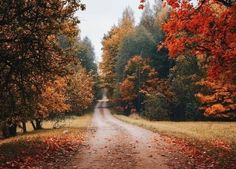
(161, 15)
(152, 20)
(157, 107)
(176, 4)
(148, 19)
(53, 99)
(127, 95)
(30, 56)
(139, 42)
(188, 28)
(183, 78)
(82, 53)
(207, 32)
(111, 44)
(140, 79)
(219, 102)
(85, 52)
(80, 88)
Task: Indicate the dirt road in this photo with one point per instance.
(116, 144)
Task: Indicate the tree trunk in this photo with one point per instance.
(5, 130)
(8, 130)
(33, 125)
(38, 124)
(24, 127)
(12, 129)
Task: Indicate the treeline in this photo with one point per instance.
(178, 63)
(45, 68)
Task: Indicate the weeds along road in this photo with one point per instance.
(116, 144)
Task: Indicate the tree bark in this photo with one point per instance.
(12, 129)
(33, 125)
(24, 127)
(38, 124)
(5, 130)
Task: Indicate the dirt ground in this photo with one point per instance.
(116, 144)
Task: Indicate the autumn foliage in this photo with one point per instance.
(34, 66)
(111, 44)
(41, 152)
(202, 86)
(220, 101)
(208, 32)
(80, 89)
(53, 98)
(140, 80)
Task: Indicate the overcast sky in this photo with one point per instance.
(101, 15)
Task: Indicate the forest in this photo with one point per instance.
(178, 63)
(161, 95)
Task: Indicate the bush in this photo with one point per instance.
(157, 107)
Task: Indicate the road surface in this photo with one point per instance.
(117, 145)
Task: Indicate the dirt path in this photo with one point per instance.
(116, 144)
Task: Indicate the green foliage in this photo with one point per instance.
(139, 42)
(162, 63)
(153, 18)
(184, 76)
(85, 52)
(140, 79)
(157, 107)
(111, 44)
(148, 19)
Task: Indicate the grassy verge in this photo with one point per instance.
(206, 144)
(205, 131)
(44, 148)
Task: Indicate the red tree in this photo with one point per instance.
(208, 32)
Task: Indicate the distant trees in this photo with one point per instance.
(85, 52)
(140, 79)
(128, 48)
(111, 44)
(192, 50)
(137, 43)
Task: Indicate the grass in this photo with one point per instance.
(206, 144)
(72, 125)
(44, 144)
(70, 122)
(204, 131)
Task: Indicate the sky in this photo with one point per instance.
(100, 16)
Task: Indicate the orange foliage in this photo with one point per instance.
(208, 31)
(127, 90)
(140, 79)
(41, 151)
(53, 98)
(80, 89)
(111, 43)
(220, 102)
